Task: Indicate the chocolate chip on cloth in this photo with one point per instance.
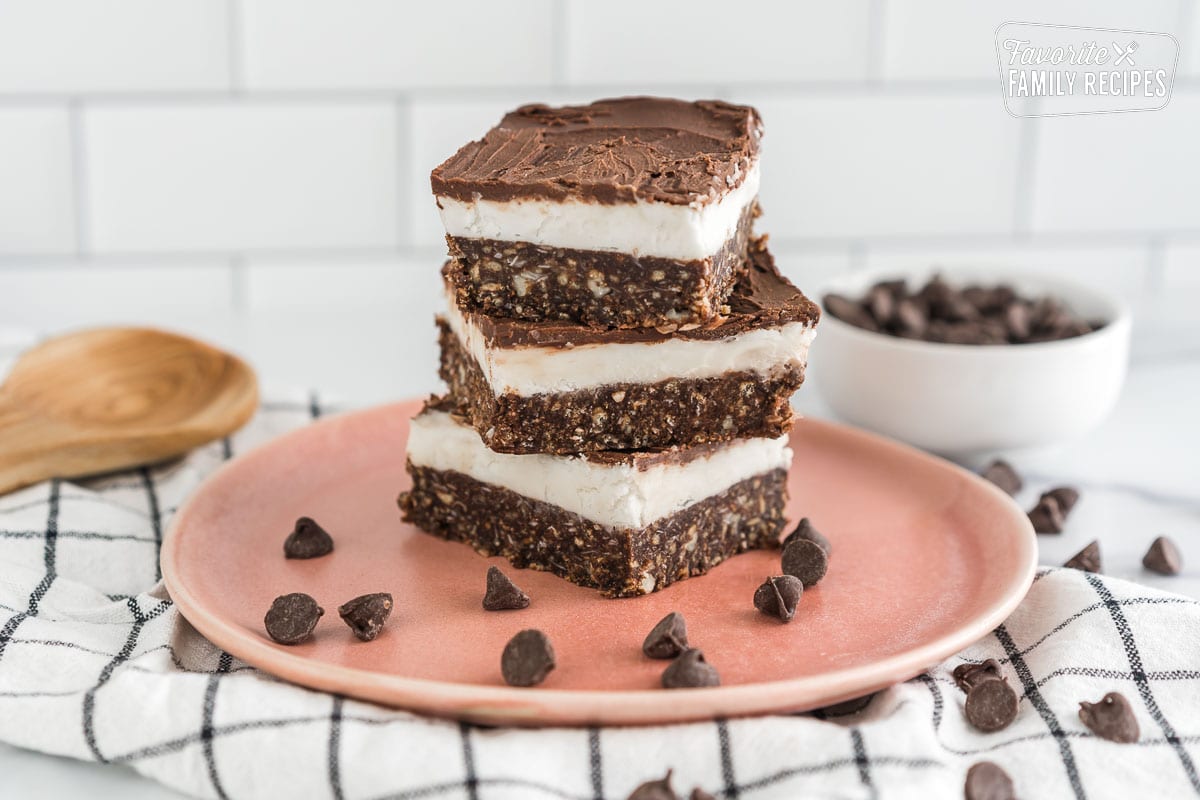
(1001, 473)
(987, 780)
(658, 789)
(1065, 496)
(967, 676)
(991, 705)
(805, 530)
(805, 560)
(779, 596)
(1112, 718)
(502, 594)
(1047, 515)
(292, 618)
(1163, 557)
(527, 659)
(1087, 559)
(366, 614)
(307, 540)
(690, 671)
(668, 638)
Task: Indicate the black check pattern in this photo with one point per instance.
(95, 663)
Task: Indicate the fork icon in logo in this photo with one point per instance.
(1125, 53)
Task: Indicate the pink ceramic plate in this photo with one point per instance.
(926, 560)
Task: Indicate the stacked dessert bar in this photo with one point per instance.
(620, 349)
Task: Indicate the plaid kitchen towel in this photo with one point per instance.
(96, 663)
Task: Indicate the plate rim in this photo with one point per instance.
(577, 707)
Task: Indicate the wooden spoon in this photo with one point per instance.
(112, 398)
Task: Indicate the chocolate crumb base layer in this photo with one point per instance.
(521, 280)
(620, 562)
(620, 416)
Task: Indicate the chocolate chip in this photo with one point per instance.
(307, 540)
(805, 530)
(1087, 559)
(700, 794)
(910, 320)
(1019, 321)
(847, 707)
(987, 780)
(779, 596)
(1047, 516)
(967, 676)
(991, 705)
(292, 618)
(881, 303)
(502, 594)
(1163, 557)
(366, 614)
(1001, 473)
(528, 658)
(1112, 718)
(690, 671)
(805, 560)
(849, 312)
(975, 315)
(659, 789)
(1065, 496)
(668, 638)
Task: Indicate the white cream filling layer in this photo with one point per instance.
(527, 371)
(662, 230)
(616, 495)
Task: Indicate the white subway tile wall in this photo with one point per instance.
(251, 157)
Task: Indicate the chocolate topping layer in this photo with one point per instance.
(611, 151)
(762, 298)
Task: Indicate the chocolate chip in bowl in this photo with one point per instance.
(971, 362)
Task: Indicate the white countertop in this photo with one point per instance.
(1137, 473)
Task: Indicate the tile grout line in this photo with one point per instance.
(876, 41)
(559, 27)
(79, 184)
(405, 149)
(1025, 175)
(235, 42)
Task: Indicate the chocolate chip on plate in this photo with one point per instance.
(1001, 473)
(1047, 515)
(967, 676)
(502, 594)
(987, 780)
(307, 540)
(1163, 557)
(1087, 559)
(805, 530)
(991, 705)
(1112, 718)
(668, 638)
(1066, 496)
(528, 658)
(805, 560)
(689, 670)
(779, 596)
(292, 618)
(657, 789)
(366, 614)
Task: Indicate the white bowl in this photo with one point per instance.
(973, 401)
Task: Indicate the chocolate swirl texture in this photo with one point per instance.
(620, 150)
